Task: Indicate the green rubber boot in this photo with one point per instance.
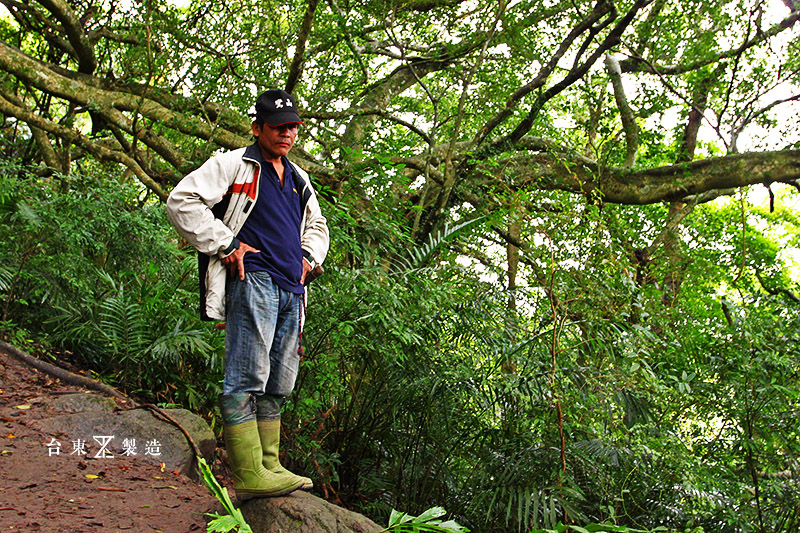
(269, 431)
(250, 478)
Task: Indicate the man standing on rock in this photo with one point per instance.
(253, 213)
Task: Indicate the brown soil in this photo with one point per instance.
(42, 491)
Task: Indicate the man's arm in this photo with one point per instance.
(315, 239)
(189, 209)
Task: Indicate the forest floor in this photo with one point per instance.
(68, 492)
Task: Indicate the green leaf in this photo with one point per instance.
(223, 524)
(433, 512)
(398, 518)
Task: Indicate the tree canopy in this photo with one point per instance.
(465, 98)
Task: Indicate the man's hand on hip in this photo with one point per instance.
(306, 270)
(235, 260)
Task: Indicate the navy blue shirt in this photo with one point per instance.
(273, 227)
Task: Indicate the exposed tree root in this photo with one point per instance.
(64, 375)
(91, 384)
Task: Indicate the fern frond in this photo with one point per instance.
(179, 341)
(26, 213)
(6, 276)
(421, 254)
(123, 325)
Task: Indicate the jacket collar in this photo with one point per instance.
(253, 153)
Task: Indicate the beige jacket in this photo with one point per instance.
(213, 233)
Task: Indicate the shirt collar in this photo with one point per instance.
(253, 152)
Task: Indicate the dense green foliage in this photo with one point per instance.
(670, 414)
(421, 383)
(100, 273)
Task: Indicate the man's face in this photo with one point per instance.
(275, 141)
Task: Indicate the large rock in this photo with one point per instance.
(76, 403)
(301, 512)
(88, 417)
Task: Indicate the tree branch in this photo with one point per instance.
(696, 114)
(72, 26)
(626, 115)
(780, 290)
(48, 28)
(638, 64)
(572, 76)
(48, 153)
(346, 33)
(96, 149)
(552, 171)
(380, 94)
(362, 111)
(600, 9)
(111, 103)
(296, 68)
(450, 171)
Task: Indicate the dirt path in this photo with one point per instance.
(45, 487)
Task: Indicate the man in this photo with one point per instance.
(255, 213)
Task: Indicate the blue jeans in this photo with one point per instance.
(261, 338)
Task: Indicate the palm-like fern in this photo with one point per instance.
(123, 332)
(421, 254)
(6, 277)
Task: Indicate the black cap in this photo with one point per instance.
(276, 108)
